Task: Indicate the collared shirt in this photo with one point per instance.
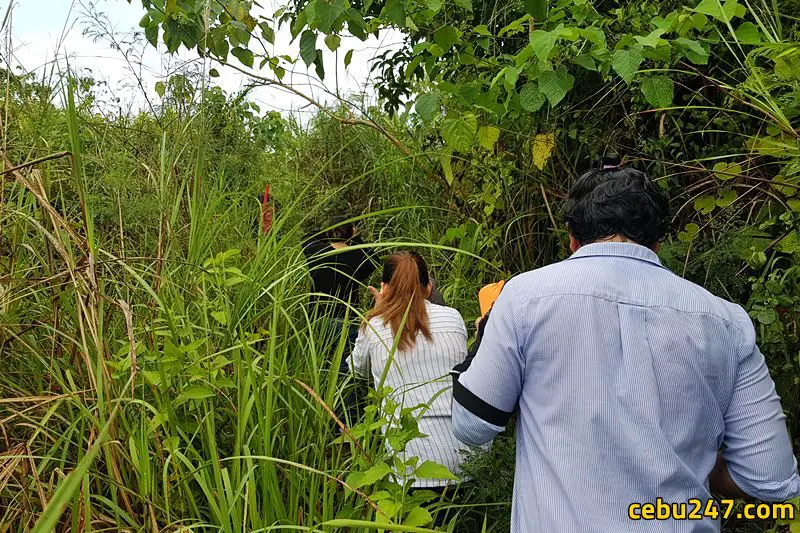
(628, 380)
(419, 376)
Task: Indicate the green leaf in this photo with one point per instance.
(332, 42)
(748, 33)
(244, 55)
(214, 73)
(693, 50)
(447, 166)
(151, 34)
(220, 317)
(428, 106)
(658, 91)
(727, 171)
(161, 88)
(555, 84)
(586, 61)
(726, 197)
(488, 136)
(370, 477)
(531, 98)
(431, 470)
(626, 63)
(537, 9)
(705, 204)
(417, 517)
(653, 40)
(394, 11)
(594, 35)
(267, 32)
(691, 230)
(194, 392)
(464, 4)
(328, 11)
(308, 47)
(433, 5)
(543, 43)
(348, 57)
(459, 132)
(446, 36)
(716, 9)
(767, 316)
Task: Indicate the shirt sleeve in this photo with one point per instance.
(486, 394)
(758, 449)
(359, 360)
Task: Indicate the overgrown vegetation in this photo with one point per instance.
(161, 370)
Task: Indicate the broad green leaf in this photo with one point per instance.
(790, 243)
(428, 106)
(488, 136)
(151, 33)
(694, 51)
(394, 11)
(446, 36)
(594, 35)
(308, 47)
(459, 132)
(542, 149)
(726, 197)
(447, 166)
(194, 392)
(690, 230)
(482, 29)
(332, 42)
(653, 40)
(658, 91)
(537, 9)
(543, 43)
(418, 516)
(555, 84)
(786, 186)
(699, 21)
(220, 316)
(794, 204)
(767, 316)
(374, 474)
(434, 5)
(161, 88)
(267, 32)
(724, 12)
(328, 11)
(705, 204)
(531, 98)
(464, 4)
(389, 507)
(727, 171)
(748, 33)
(348, 57)
(214, 73)
(626, 63)
(431, 470)
(586, 61)
(244, 55)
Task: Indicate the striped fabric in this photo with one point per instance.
(420, 376)
(628, 380)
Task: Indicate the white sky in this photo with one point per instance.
(45, 32)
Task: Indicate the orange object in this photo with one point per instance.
(266, 212)
(488, 294)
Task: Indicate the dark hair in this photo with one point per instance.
(338, 229)
(616, 201)
(406, 277)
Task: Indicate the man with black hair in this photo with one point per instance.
(631, 383)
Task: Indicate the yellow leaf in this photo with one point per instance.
(542, 148)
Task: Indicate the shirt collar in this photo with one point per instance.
(618, 249)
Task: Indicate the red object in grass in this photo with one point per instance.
(266, 212)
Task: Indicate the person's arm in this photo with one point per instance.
(720, 481)
(758, 452)
(462, 367)
(359, 361)
(486, 394)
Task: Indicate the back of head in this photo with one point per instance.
(338, 230)
(616, 201)
(406, 277)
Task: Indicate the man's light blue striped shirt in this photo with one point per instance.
(628, 380)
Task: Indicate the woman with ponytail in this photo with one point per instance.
(410, 344)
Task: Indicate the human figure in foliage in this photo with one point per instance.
(432, 338)
(630, 383)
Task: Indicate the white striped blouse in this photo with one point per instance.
(420, 376)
